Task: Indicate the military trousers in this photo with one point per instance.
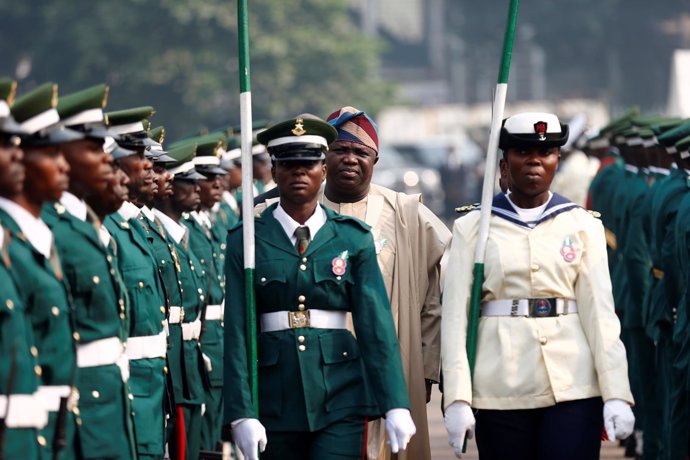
(566, 431)
(342, 440)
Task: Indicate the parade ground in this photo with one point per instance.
(440, 450)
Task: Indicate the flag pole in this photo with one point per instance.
(489, 184)
(246, 136)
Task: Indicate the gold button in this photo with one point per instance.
(222, 246)
(163, 323)
(199, 290)
(38, 370)
(535, 267)
(191, 266)
(543, 340)
(109, 258)
(304, 259)
(300, 307)
(78, 421)
(263, 279)
(338, 278)
(9, 303)
(302, 267)
(201, 297)
(301, 299)
(95, 394)
(141, 284)
(301, 348)
(122, 316)
(41, 440)
(162, 309)
(96, 280)
(55, 310)
(75, 410)
(300, 339)
(112, 271)
(344, 353)
(202, 261)
(165, 369)
(34, 352)
(131, 397)
(121, 302)
(76, 336)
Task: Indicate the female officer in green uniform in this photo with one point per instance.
(318, 385)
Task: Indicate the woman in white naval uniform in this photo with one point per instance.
(550, 369)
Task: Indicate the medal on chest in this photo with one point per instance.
(568, 250)
(339, 263)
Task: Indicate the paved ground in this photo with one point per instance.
(440, 450)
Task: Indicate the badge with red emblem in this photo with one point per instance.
(567, 250)
(540, 129)
(339, 264)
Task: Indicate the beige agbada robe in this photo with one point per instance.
(410, 241)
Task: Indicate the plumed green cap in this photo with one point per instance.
(157, 134)
(305, 137)
(35, 102)
(129, 120)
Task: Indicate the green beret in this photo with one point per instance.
(8, 89)
(305, 137)
(87, 100)
(39, 101)
(670, 137)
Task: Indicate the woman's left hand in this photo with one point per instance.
(619, 420)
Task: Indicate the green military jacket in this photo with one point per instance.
(47, 305)
(16, 342)
(99, 303)
(309, 377)
(147, 310)
(203, 246)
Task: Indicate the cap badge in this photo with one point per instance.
(540, 129)
(299, 130)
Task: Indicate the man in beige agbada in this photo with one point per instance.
(410, 241)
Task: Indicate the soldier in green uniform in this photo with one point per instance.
(147, 342)
(228, 211)
(21, 412)
(99, 299)
(318, 385)
(204, 243)
(38, 273)
(168, 210)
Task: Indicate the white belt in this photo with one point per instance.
(26, 411)
(191, 331)
(147, 346)
(50, 396)
(536, 308)
(322, 319)
(214, 312)
(175, 315)
(102, 353)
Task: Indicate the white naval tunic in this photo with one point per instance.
(525, 363)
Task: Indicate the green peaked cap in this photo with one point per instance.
(673, 135)
(157, 134)
(128, 116)
(95, 97)
(666, 125)
(302, 125)
(181, 153)
(623, 119)
(8, 89)
(683, 144)
(35, 102)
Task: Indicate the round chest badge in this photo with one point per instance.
(339, 265)
(542, 307)
(568, 250)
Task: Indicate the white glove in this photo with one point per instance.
(250, 436)
(400, 428)
(619, 420)
(459, 420)
(207, 362)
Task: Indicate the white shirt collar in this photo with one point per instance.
(315, 222)
(2, 236)
(74, 205)
(196, 215)
(230, 199)
(129, 210)
(146, 211)
(175, 230)
(34, 229)
(104, 235)
(530, 215)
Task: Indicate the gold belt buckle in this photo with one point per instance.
(181, 314)
(298, 319)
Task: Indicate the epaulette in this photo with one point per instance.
(467, 208)
(595, 214)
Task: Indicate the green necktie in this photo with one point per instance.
(302, 235)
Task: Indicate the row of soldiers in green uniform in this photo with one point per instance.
(111, 280)
(642, 191)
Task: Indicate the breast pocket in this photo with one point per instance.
(343, 373)
(87, 287)
(333, 280)
(270, 382)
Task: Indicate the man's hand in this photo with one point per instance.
(400, 428)
(619, 420)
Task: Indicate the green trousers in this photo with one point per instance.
(343, 440)
(192, 425)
